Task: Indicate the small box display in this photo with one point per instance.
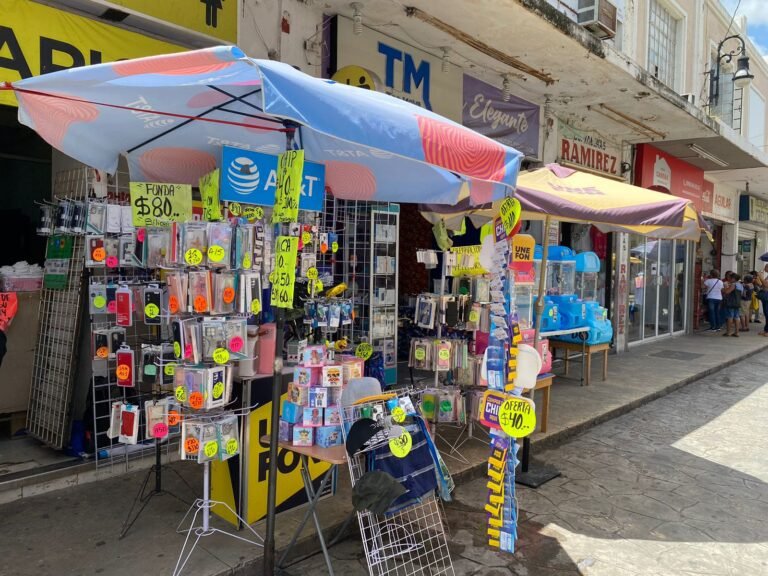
(298, 394)
(303, 436)
(292, 413)
(318, 397)
(314, 356)
(333, 376)
(312, 417)
(332, 416)
(327, 436)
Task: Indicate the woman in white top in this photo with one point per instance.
(713, 293)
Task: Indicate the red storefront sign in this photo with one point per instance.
(659, 171)
(708, 197)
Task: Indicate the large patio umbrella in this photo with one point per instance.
(170, 115)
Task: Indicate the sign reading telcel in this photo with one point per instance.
(251, 178)
(665, 173)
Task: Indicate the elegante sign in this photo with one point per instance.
(59, 40)
(589, 149)
(217, 18)
(374, 61)
(753, 209)
(514, 123)
(660, 171)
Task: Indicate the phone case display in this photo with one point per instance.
(219, 244)
(194, 243)
(178, 287)
(129, 424)
(224, 292)
(124, 306)
(125, 367)
(158, 245)
(200, 293)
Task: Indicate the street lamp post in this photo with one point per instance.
(741, 78)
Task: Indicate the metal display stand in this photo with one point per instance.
(204, 528)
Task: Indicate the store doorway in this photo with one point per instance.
(658, 288)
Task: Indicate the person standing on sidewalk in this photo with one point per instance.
(732, 290)
(746, 302)
(713, 287)
(754, 315)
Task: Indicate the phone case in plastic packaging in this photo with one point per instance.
(200, 291)
(236, 334)
(219, 244)
(97, 299)
(214, 337)
(96, 218)
(195, 385)
(96, 253)
(191, 433)
(224, 292)
(194, 243)
(158, 241)
(153, 305)
(124, 306)
(129, 424)
(174, 415)
(156, 419)
(216, 387)
(124, 372)
(228, 432)
(127, 248)
(243, 253)
(114, 219)
(178, 289)
(192, 341)
(209, 444)
(114, 420)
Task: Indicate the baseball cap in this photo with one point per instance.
(376, 491)
(363, 434)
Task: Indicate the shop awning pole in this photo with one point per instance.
(542, 474)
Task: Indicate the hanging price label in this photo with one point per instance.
(231, 446)
(170, 369)
(151, 310)
(510, 213)
(221, 355)
(517, 417)
(102, 352)
(180, 394)
(236, 344)
(215, 253)
(211, 448)
(193, 257)
(420, 354)
(173, 417)
(364, 350)
(253, 213)
(285, 271)
(334, 247)
(228, 295)
(123, 372)
(444, 354)
(191, 446)
(196, 400)
(218, 390)
(401, 446)
(312, 273)
(99, 254)
(201, 304)
(290, 169)
(474, 316)
(173, 305)
(255, 306)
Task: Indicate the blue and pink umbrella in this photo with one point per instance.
(170, 115)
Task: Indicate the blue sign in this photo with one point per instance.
(251, 178)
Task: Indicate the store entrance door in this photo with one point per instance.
(658, 289)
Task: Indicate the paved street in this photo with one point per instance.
(677, 487)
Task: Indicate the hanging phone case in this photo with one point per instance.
(124, 306)
(125, 366)
(97, 254)
(129, 424)
(153, 302)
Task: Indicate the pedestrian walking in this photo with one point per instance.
(732, 290)
(754, 317)
(713, 287)
(746, 302)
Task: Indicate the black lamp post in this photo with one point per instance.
(741, 78)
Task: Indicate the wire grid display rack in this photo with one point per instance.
(55, 358)
(409, 542)
(109, 452)
(368, 237)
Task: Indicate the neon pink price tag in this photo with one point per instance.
(112, 307)
(141, 234)
(160, 430)
(236, 344)
(112, 261)
(187, 350)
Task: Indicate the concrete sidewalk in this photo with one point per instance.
(75, 531)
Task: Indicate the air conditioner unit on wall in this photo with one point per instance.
(597, 16)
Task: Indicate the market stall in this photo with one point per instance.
(179, 298)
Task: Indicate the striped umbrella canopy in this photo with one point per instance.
(568, 195)
(170, 116)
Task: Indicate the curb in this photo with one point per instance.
(307, 546)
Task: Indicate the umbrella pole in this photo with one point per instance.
(274, 431)
(543, 474)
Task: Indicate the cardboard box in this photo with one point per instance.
(298, 394)
(318, 397)
(332, 376)
(286, 431)
(332, 416)
(327, 436)
(303, 436)
(312, 417)
(292, 413)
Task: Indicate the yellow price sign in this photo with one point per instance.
(420, 354)
(180, 394)
(231, 446)
(401, 446)
(218, 390)
(170, 369)
(306, 238)
(193, 257)
(364, 350)
(398, 414)
(253, 213)
(312, 273)
(99, 302)
(151, 310)
(510, 213)
(517, 416)
(474, 316)
(334, 247)
(211, 448)
(286, 248)
(221, 355)
(290, 170)
(255, 306)
(216, 253)
(247, 262)
(444, 354)
(159, 204)
(235, 209)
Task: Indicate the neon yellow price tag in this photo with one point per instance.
(193, 256)
(180, 394)
(306, 238)
(235, 209)
(221, 355)
(364, 350)
(334, 247)
(151, 310)
(255, 306)
(253, 212)
(218, 390)
(211, 448)
(517, 417)
(401, 446)
(247, 262)
(231, 446)
(170, 369)
(312, 273)
(215, 253)
(398, 414)
(99, 302)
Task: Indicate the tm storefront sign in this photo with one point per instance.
(662, 172)
(375, 61)
(588, 149)
(514, 123)
(37, 39)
